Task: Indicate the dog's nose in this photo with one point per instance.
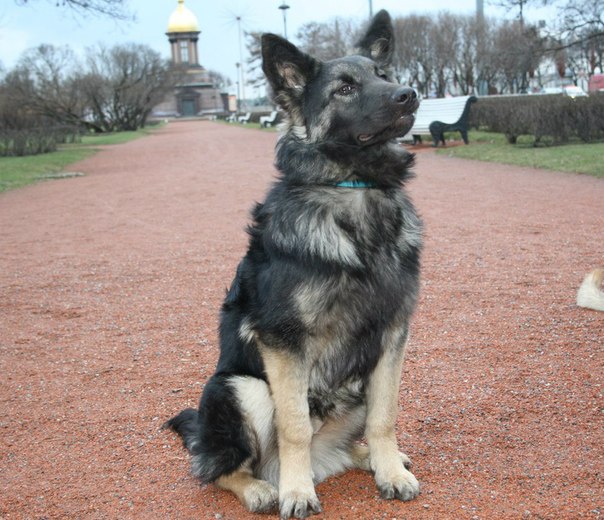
(404, 95)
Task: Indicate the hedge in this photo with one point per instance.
(558, 117)
(33, 141)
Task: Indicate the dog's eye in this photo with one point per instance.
(381, 74)
(346, 90)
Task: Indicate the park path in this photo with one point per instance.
(110, 286)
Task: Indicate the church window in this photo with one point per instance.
(184, 52)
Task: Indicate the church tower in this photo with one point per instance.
(195, 94)
(183, 34)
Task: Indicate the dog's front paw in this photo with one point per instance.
(403, 486)
(298, 504)
(260, 497)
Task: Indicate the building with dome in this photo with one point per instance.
(195, 94)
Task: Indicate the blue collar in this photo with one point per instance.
(355, 184)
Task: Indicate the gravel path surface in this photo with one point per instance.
(110, 286)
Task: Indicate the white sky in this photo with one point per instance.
(40, 21)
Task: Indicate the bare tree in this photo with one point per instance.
(115, 89)
(470, 47)
(520, 6)
(581, 20)
(123, 84)
(112, 8)
(579, 35)
(445, 47)
(413, 57)
(519, 53)
(329, 40)
(218, 79)
(255, 76)
(487, 54)
(45, 81)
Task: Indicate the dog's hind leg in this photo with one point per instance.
(228, 435)
(258, 496)
(392, 478)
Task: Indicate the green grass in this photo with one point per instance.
(572, 158)
(114, 138)
(16, 172)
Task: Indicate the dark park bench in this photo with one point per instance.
(437, 116)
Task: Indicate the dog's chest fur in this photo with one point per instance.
(353, 246)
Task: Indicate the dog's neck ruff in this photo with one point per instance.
(355, 184)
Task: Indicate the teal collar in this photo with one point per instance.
(355, 184)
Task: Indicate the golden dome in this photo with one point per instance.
(182, 20)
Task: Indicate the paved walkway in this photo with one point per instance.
(110, 286)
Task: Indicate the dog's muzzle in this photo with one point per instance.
(406, 97)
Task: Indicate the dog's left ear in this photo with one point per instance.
(378, 42)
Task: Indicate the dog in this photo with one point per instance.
(591, 291)
(314, 327)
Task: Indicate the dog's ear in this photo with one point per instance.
(287, 69)
(378, 42)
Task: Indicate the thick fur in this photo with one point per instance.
(591, 291)
(314, 326)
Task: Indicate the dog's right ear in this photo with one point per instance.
(287, 69)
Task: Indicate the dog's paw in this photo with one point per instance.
(261, 497)
(361, 458)
(404, 486)
(298, 504)
(405, 460)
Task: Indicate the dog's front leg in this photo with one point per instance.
(288, 381)
(391, 476)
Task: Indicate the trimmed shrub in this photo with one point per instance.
(557, 117)
(33, 141)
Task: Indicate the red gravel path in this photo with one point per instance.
(110, 286)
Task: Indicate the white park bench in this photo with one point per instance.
(266, 121)
(245, 119)
(436, 116)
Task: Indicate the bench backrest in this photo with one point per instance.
(446, 110)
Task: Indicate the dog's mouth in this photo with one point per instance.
(399, 127)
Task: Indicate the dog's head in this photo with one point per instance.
(350, 100)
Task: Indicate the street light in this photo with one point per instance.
(284, 7)
(240, 66)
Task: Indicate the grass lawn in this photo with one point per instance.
(491, 147)
(16, 172)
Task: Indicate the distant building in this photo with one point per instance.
(195, 94)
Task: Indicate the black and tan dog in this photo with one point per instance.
(314, 327)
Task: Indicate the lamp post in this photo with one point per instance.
(284, 7)
(238, 87)
(240, 66)
(370, 9)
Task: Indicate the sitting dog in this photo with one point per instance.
(314, 326)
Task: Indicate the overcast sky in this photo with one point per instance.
(22, 27)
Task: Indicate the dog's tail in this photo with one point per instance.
(591, 292)
(187, 425)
